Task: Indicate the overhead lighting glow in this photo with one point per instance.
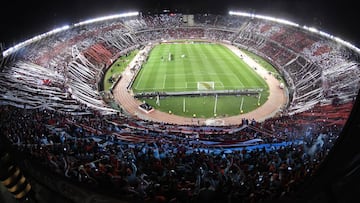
(34, 39)
(252, 15)
(13, 49)
(312, 29)
(107, 18)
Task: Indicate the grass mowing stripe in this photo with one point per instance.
(232, 67)
(191, 67)
(239, 69)
(179, 61)
(226, 67)
(246, 74)
(202, 59)
(235, 66)
(215, 68)
(173, 67)
(182, 63)
(197, 64)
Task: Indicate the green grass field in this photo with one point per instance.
(192, 64)
(117, 68)
(264, 64)
(203, 106)
(201, 63)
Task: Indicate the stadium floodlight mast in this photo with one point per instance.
(13, 49)
(287, 22)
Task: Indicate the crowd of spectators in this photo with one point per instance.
(315, 69)
(80, 55)
(164, 163)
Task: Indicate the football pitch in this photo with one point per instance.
(184, 67)
(192, 64)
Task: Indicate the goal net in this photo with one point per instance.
(206, 85)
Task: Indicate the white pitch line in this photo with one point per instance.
(164, 81)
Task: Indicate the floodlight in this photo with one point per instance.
(107, 18)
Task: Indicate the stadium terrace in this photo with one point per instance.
(56, 114)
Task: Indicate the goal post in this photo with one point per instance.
(207, 85)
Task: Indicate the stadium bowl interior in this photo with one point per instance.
(66, 139)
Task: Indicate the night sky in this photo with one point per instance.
(21, 20)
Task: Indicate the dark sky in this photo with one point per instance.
(21, 20)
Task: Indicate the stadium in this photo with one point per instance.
(178, 107)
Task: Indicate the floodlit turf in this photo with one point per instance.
(264, 64)
(204, 106)
(193, 63)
